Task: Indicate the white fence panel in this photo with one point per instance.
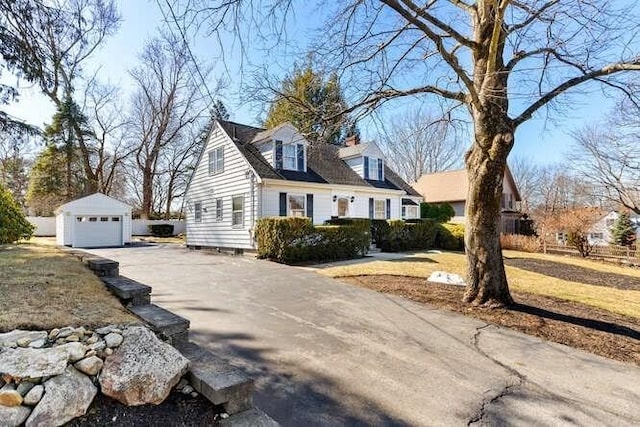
(45, 225)
(140, 227)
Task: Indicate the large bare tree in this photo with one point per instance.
(504, 61)
(607, 156)
(48, 42)
(420, 142)
(166, 104)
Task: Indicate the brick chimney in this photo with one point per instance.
(352, 140)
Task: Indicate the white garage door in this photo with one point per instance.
(97, 231)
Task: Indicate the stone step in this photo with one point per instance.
(253, 417)
(102, 267)
(217, 380)
(169, 325)
(128, 290)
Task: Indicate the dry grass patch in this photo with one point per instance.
(620, 301)
(591, 264)
(42, 287)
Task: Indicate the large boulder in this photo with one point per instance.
(143, 369)
(33, 362)
(10, 339)
(66, 397)
(13, 416)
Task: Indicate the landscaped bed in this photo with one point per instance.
(555, 300)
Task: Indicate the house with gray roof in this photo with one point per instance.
(245, 173)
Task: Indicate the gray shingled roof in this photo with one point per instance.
(323, 163)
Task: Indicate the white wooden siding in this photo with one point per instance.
(206, 189)
(266, 149)
(321, 201)
(357, 164)
(323, 205)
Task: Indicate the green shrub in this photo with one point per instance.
(441, 212)
(450, 237)
(404, 236)
(13, 224)
(379, 230)
(363, 224)
(328, 243)
(161, 230)
(274, 235)
(296, 240)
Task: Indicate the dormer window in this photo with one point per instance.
(289, 156)
(373, 168)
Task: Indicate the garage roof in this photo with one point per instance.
(93, 201)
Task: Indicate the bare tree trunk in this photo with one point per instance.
(486, 161)
(147, 194)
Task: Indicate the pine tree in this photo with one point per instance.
(623, 231)
(311, 102)
(13, 224)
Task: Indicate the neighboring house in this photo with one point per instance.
(452, 187)
(246, 173)
(600, 233)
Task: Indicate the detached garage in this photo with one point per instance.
(92, 222)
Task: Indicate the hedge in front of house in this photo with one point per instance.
(450, 237)
(274, 235)
(406, 236)
(296, 240)
(328, 243)
(161, 230)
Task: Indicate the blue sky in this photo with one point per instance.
(540, 140)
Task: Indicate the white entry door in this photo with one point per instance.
(97, 231)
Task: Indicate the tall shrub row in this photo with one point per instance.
(296, 240)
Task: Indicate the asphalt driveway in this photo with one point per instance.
(326, 353)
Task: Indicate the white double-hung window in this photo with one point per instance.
(237, 211)
(296, 205)
(290, 156)
(380, 209)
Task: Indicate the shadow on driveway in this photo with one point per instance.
(304, 399)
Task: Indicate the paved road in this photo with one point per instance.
(327, 353)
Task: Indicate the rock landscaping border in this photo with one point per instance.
(208, 374)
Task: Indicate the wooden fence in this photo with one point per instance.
(621, 254)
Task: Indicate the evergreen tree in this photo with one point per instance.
(13, 224)
(47, 189)
(623, 231)
(63, 134)
(311, 102)
(219, 110)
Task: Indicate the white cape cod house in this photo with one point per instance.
(246, 173)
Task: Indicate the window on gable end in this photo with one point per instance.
(216, 161)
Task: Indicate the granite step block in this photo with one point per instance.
(253, 417)
(217, 380)
(103, 267)
(169, 325)
(128, 290)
